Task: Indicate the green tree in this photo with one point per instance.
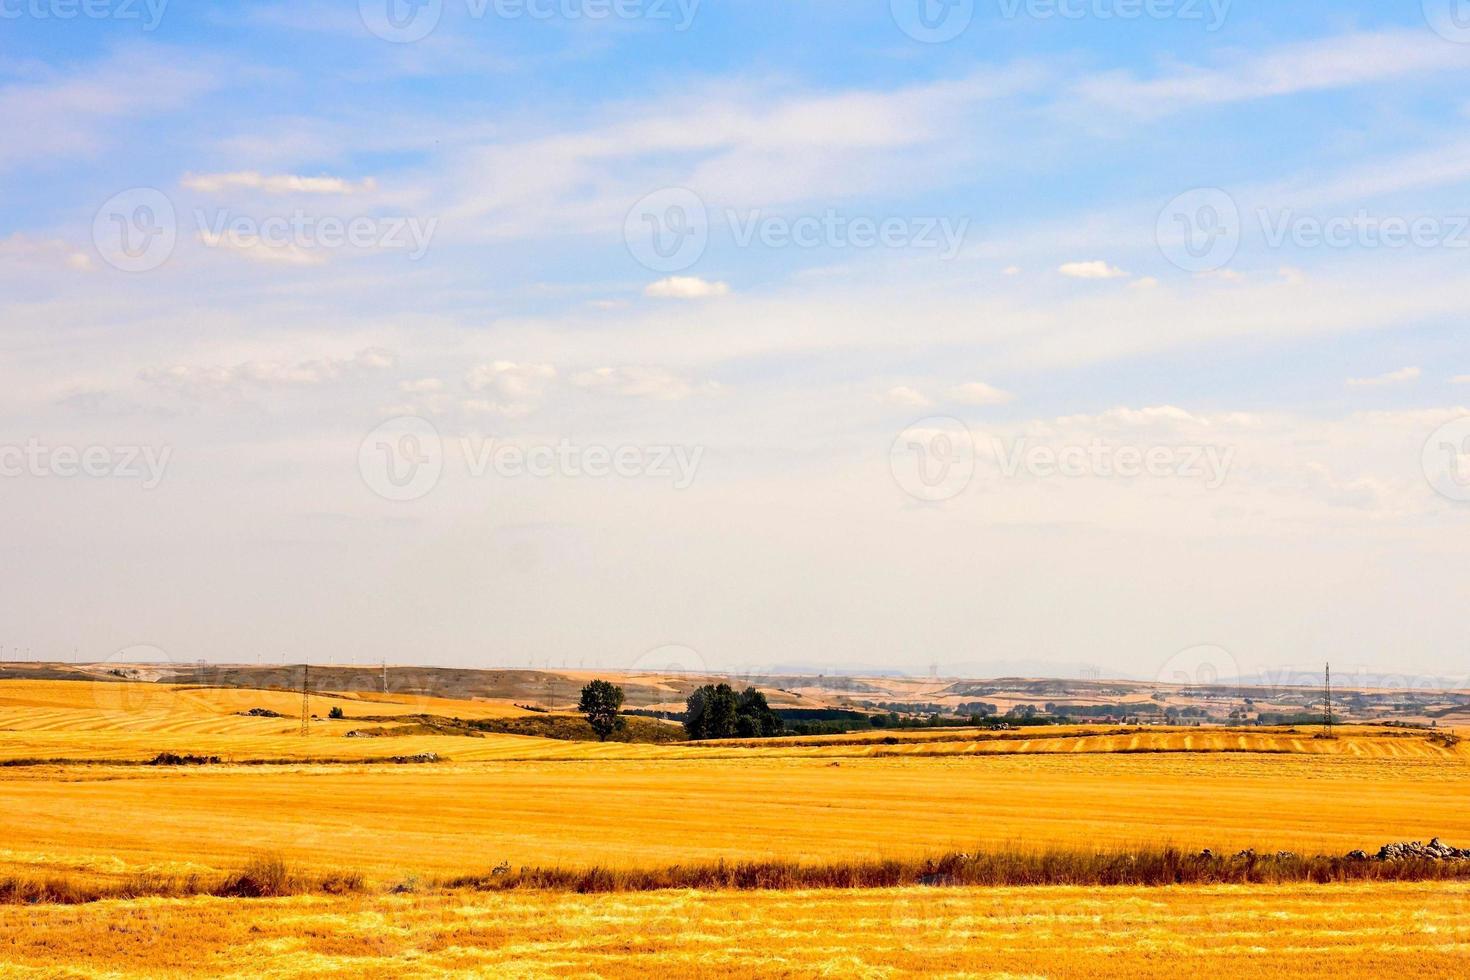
(712, 711)
(336, 712)
(716, 711)
(601, 702)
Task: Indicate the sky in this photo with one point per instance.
(1090, 338)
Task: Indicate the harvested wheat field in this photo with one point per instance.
(84, 809)
(1255, 931)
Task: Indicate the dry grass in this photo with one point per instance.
(1371, 930)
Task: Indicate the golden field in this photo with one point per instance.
(1247, 932)
(538, 802)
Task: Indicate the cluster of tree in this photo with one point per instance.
(718, 711)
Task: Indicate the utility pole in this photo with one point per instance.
(305, 699)
(385, 676)
(1327, 709)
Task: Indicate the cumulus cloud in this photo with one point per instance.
(421, 386)
(686, 287)
(1401, 376)
(979, 393)
(276, 183)
(1096, 269)
(510, 389)
(634, 382)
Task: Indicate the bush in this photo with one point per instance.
(336, 713)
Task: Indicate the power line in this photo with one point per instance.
(305, 699)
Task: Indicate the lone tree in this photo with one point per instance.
(601, 702)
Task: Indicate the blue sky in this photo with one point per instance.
(1038, 177)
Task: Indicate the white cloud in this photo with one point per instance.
(1317, 65)
(201, 380)
(1144, 282)
(979, 393)
(252, 247)
(1401, 376)
(686, 287)
(421, 386)
(906, 397)
(515, 389)
(276, 183)
(1463, 379)
(1096, 269)
(635, 382)
(20, 249)
(1011, 270)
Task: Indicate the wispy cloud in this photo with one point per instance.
(1399, 377)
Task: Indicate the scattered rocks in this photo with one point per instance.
(1435, 850)
(1358, 855)
(261, 713)
(171, 759)
(423, 758)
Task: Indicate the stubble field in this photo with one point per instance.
(538, 802)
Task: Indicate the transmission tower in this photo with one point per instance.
(385, 676)
(305, 699)
(1327, 708)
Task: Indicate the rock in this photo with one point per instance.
(1207, 854)
(1435, 850)
(1357, 855)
